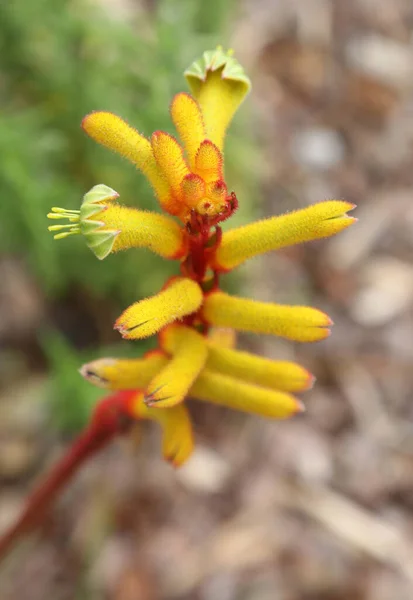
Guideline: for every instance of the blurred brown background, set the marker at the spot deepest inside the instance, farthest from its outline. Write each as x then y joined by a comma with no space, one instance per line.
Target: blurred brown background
316,508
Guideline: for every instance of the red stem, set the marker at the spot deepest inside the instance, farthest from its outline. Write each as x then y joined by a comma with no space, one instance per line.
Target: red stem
109,419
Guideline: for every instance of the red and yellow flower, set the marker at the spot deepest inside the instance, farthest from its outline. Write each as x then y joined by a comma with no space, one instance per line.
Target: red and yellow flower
192,317
189,182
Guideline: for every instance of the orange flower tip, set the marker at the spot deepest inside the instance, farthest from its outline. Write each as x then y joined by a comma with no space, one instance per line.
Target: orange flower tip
85,121
311,379
159,135
126,331
300,408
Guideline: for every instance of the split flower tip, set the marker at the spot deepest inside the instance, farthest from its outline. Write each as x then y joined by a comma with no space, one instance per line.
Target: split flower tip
216,60
123,374
180,298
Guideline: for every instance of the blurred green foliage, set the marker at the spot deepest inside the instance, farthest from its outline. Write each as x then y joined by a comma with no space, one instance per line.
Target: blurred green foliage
59,60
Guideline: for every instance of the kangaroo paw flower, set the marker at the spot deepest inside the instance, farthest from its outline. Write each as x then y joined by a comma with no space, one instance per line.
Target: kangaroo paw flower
189,123
318,221
195,320
146,317
178,441
109,227
232,393
189,353
219,84
275,374
124,374
299,323
114,133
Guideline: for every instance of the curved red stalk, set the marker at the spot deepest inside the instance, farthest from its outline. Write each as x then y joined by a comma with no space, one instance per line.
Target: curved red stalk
109,419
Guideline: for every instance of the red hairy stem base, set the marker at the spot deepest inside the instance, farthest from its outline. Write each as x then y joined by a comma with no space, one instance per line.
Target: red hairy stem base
109,419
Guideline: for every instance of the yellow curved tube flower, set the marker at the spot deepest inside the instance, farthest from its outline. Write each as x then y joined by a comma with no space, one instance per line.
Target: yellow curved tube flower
299,323
146,317
232,393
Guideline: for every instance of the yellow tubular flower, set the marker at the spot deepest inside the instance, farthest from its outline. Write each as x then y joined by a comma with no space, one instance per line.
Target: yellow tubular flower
187,118
114,133
229,392
169,157
108,227
318,221
143,229
278,375
219,84
299,323
144,318
189,352
124,374
178,442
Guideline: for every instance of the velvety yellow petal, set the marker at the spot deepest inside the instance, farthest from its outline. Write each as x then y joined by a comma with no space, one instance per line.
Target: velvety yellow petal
300,323
114,133
144,318
317,221
219,84
170,160
209,162
187,118
232,393
275,374
124,374
222,336
177,442
142,229
189,352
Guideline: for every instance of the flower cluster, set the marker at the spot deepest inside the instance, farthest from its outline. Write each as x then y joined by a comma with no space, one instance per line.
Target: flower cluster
195,320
